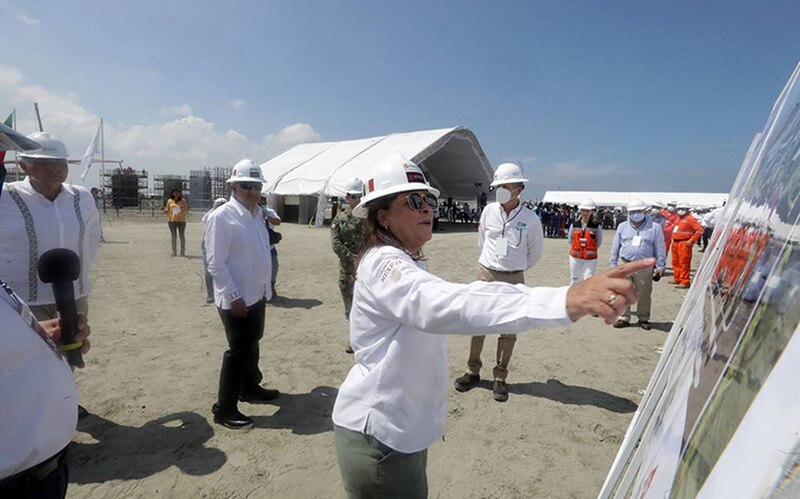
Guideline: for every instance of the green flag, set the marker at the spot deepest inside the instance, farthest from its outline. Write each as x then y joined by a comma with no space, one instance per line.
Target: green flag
9,122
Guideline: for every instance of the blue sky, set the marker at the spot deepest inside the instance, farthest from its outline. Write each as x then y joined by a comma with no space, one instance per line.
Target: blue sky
586,95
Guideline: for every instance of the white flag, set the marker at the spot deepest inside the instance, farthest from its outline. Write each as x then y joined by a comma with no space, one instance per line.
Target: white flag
88,156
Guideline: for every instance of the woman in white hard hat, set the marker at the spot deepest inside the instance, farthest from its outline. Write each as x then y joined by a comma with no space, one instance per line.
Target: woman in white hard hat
393,404
585,238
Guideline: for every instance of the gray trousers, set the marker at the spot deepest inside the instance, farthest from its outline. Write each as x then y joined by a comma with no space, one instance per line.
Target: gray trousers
643,283
371,469
505,342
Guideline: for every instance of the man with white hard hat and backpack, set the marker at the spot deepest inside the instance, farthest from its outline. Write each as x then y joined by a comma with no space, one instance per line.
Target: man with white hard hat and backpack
511,241
237,243
639,238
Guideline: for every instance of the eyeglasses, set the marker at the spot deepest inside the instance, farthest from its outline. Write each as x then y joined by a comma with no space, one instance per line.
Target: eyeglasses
249,186
415,201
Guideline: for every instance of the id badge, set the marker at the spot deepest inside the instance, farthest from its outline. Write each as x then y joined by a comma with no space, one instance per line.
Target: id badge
502,247
637,240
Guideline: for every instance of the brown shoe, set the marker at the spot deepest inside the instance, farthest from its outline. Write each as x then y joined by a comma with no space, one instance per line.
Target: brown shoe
673,281
500,391
621,324
645,325
682,286
467,382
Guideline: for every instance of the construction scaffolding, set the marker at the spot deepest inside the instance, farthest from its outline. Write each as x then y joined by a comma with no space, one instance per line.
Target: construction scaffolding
164,184
125,187
217,186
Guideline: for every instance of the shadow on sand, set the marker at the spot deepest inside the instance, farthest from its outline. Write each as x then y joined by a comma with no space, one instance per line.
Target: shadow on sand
569,394
130,453
303,413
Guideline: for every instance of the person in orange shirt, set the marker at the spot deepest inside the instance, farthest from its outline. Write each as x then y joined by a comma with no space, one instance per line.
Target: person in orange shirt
685,233
177,209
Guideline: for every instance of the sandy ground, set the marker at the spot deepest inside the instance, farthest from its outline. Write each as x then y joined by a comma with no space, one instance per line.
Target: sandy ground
152,376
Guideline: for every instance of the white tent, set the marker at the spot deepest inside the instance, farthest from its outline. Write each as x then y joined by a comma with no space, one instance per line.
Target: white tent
310,174
695,199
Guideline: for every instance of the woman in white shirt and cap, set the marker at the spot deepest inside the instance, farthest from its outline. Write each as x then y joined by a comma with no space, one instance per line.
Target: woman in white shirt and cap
393,404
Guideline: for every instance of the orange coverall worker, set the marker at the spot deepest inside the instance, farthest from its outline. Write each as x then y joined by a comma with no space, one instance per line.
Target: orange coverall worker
670,217
685,233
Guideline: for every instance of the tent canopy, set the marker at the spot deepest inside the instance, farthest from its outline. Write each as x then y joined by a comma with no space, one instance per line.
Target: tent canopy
695,199
452,158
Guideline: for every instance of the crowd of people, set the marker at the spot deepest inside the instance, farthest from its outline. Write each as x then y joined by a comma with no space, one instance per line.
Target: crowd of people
392,405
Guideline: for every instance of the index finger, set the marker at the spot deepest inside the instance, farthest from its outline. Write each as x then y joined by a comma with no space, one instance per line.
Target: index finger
629,268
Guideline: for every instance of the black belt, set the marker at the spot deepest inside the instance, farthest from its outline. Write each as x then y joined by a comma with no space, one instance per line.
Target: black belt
505,271
33,474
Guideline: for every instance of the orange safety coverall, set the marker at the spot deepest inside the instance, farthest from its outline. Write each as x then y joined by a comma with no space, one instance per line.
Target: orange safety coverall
685,233
669,222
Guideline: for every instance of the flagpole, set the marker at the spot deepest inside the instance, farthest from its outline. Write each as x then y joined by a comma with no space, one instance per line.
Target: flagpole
103,164
16,158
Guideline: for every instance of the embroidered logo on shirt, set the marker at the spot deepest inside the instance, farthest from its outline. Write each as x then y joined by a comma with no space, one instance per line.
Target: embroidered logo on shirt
389,268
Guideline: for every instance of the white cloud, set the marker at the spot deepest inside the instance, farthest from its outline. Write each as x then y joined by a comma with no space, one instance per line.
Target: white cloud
238,103
175,111
178,143
27,20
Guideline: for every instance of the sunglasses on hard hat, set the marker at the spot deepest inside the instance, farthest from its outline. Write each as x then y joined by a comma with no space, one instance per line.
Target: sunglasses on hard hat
249,186
416,201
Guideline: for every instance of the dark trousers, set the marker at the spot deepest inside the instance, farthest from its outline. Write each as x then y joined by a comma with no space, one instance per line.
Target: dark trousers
26,484
240,372
176,228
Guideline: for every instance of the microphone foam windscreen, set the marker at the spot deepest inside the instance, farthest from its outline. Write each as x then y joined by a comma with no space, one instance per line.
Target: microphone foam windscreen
58,265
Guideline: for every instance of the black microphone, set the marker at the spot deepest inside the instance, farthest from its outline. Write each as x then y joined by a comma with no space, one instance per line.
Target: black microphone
61,267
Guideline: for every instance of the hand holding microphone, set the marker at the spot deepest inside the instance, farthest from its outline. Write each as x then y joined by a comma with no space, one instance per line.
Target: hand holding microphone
61,267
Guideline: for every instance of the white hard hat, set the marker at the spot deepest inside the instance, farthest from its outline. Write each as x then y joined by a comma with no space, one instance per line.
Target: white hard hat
636,205
219,202
246,170
658,204
354,187
672,203
394,174
50,147
508,173
683,205
588,204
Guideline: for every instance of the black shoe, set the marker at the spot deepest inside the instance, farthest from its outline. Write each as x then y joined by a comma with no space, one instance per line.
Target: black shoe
210,299
259,396
234,419
82,412
466,382
500,391
621,323
349,349
645,325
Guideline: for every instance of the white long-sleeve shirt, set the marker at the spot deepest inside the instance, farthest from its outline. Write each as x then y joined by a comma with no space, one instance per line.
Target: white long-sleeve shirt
40,408
397,389
512,241
31,224
237,246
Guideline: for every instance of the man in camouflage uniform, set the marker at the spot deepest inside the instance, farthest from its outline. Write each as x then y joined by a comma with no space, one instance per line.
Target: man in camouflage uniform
347,235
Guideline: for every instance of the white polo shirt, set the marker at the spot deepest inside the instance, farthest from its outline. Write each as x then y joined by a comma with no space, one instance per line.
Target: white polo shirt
397,389
31,224
237,247
512,241
40,401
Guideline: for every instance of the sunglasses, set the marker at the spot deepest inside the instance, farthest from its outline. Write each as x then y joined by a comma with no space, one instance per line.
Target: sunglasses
249,186
416,201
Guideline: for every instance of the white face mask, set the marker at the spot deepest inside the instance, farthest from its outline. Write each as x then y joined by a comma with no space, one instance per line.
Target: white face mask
671,209
681,212
502,195
655,211
636,217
